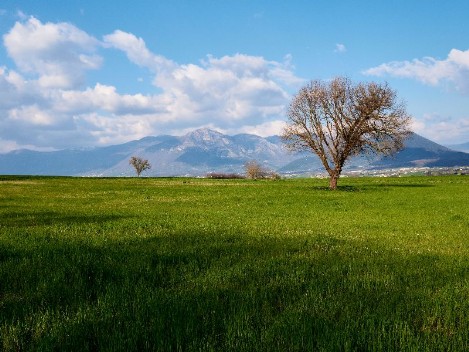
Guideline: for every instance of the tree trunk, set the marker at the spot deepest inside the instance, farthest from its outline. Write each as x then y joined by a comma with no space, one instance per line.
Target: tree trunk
333,181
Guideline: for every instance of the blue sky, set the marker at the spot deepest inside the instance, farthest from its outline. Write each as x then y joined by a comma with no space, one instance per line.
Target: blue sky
81,73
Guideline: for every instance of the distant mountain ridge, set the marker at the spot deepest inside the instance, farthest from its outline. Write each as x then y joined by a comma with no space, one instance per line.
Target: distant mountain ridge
203,151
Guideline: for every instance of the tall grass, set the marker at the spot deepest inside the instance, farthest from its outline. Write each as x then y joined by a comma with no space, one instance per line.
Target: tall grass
234,265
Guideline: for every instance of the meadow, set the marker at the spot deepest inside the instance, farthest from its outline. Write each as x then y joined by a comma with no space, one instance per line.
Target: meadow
155,264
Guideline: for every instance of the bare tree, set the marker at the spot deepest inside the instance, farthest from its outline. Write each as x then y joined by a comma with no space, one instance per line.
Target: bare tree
254,170
139,164
337,119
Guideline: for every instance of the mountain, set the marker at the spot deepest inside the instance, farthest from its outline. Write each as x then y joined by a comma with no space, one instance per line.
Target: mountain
203,151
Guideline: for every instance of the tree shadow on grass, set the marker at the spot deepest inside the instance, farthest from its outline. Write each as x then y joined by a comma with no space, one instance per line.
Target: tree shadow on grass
196,290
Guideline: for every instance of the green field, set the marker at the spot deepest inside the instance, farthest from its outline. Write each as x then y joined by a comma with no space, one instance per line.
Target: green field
132,264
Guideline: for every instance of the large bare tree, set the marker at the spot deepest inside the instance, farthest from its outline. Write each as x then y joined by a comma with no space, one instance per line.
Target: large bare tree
338,119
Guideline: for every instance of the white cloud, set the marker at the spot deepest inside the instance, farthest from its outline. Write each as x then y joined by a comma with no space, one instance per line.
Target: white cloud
106,99
340,48
17,91
266,129
112,129
21,15
137,52
57,53
31,114
230,89
453,69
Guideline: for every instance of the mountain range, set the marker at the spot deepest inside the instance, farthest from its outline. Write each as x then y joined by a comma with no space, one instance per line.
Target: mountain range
204,151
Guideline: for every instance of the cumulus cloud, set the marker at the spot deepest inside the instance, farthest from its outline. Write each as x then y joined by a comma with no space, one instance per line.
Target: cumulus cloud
31,114
453,69
45,104
57,53
106,99
137,51
229,89
17,91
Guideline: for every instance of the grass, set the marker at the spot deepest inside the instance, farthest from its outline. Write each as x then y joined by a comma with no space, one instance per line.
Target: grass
127,264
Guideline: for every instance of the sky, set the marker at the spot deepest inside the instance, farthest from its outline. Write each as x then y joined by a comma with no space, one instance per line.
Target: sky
87,73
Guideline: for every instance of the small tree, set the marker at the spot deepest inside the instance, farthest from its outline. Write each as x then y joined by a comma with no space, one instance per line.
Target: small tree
139,164
336,120
254,170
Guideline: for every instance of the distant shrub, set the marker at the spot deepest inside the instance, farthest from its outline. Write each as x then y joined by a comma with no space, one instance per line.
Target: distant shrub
256,171
274,176
222,176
